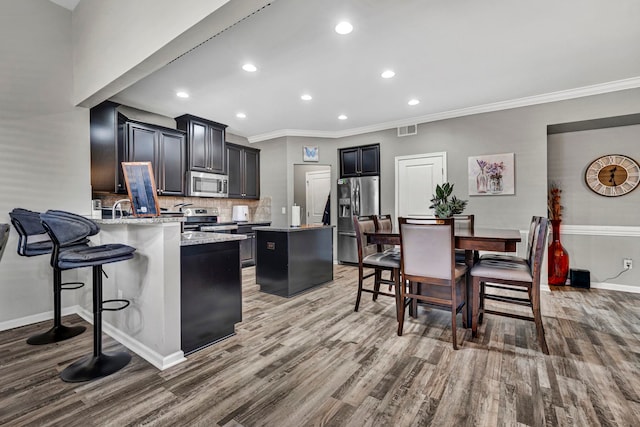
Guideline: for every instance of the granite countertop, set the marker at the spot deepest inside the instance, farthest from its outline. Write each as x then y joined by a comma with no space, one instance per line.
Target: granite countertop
132,220
293,229
201,238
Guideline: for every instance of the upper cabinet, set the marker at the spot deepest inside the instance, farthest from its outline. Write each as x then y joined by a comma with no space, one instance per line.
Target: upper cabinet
243,167
205,142
116,139
360,161
164,148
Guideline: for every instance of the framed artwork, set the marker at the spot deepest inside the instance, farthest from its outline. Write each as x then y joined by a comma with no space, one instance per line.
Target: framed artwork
141,187
491,175
310,154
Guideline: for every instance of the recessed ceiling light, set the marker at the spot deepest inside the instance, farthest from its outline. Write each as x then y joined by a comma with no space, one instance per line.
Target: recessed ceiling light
344,28
250,68
342,117
241,115
387,74
306,97
182,94
413,102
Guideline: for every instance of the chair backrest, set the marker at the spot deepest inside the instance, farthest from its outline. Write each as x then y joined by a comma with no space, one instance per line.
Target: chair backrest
539,245
464,222
66,228
428,246
383,223
364,224
535,220
27,223
4,237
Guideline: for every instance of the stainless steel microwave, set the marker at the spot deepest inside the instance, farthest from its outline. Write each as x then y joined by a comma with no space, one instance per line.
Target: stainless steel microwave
203,184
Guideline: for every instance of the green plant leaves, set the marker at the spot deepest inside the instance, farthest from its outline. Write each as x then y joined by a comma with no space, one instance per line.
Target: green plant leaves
442,206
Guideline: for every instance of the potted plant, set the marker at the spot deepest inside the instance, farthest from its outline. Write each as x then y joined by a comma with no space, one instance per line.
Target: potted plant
444,204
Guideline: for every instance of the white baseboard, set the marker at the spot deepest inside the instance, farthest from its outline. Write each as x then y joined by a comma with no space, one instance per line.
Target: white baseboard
35,318
159,361
603,285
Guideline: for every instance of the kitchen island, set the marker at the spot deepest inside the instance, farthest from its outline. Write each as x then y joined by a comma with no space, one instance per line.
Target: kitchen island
290,260
152,325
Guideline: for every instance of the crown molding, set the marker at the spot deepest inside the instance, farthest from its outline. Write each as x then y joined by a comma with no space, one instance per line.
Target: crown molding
563,95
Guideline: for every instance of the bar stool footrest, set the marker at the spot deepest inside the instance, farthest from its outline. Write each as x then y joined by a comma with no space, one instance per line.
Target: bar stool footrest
93,367
125,303
56,334
68,286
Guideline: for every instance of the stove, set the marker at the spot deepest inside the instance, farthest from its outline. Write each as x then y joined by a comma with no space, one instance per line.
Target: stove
205,219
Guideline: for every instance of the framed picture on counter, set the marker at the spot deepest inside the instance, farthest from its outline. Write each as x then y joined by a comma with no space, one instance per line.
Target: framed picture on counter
141,187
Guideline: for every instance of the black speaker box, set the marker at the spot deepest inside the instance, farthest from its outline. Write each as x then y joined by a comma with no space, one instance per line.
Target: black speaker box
580,278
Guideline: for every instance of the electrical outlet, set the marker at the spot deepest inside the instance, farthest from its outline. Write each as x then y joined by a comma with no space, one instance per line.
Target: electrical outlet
119,293
284,210
627,263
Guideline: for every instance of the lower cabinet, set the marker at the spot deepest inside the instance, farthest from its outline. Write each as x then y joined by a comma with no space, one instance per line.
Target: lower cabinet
210,293
248,246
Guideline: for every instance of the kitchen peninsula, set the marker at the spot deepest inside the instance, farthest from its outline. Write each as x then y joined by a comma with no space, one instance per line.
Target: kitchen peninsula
154,325
290,260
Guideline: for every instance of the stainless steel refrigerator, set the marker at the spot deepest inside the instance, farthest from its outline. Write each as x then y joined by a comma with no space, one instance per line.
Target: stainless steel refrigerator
356,196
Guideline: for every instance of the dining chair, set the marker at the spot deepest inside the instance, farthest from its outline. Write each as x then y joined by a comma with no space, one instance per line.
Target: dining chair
464,222
384,223
427,262
515,258
369,257
507,277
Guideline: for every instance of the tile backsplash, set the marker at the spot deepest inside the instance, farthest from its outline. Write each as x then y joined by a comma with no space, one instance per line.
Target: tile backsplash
259,210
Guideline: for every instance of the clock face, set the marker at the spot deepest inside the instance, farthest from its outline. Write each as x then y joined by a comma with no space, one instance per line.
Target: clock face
612,175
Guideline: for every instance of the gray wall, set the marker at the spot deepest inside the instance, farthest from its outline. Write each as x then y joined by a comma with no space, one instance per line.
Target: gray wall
44,145
586,230
522,131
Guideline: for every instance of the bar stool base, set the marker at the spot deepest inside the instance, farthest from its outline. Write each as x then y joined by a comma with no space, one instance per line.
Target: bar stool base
55,334
93,367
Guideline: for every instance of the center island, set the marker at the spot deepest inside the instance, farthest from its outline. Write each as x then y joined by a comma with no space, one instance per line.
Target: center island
291,260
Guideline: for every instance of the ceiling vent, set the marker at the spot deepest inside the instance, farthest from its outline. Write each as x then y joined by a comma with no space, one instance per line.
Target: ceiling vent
407,130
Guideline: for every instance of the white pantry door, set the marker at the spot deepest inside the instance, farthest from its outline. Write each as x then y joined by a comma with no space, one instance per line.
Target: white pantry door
416,179
318,189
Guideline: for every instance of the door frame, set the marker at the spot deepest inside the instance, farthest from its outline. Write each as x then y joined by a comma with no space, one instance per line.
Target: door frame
398,159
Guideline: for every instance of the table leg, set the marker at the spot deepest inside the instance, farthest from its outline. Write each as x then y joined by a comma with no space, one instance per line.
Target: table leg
468,260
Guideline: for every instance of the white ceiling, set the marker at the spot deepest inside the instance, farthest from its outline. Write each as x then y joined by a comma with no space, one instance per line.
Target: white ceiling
457,57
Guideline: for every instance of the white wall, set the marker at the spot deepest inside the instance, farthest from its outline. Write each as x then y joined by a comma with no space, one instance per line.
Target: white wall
114,47
44,144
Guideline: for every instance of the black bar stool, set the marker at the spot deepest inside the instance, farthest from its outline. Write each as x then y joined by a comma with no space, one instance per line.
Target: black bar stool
64,228
27,224
4,236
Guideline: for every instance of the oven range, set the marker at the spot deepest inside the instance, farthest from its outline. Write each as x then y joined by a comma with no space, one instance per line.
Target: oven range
205,219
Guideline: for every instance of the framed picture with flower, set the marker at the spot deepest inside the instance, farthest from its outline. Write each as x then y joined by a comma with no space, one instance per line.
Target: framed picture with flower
492,175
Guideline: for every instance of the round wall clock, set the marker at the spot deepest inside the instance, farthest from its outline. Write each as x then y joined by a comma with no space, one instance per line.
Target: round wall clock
612,175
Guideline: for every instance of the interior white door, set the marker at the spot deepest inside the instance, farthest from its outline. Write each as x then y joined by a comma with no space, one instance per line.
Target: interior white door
318,189
416,180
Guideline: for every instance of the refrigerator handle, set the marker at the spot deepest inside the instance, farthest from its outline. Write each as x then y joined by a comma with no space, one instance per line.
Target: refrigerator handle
356,197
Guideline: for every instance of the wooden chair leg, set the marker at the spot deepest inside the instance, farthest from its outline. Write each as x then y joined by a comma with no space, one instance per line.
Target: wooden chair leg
360,274
465,319
537,318
376,284
414,301
396,279
475,306
401,309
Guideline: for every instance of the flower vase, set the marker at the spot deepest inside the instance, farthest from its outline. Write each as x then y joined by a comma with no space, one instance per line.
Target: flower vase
496,184
558,257
481,182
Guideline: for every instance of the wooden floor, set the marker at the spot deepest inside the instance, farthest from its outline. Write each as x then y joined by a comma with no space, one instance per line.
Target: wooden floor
310,360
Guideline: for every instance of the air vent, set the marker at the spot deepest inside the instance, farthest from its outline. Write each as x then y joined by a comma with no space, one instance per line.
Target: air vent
408,130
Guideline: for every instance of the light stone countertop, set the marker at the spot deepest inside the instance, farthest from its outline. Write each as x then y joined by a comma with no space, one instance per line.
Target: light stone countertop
132,220
200,238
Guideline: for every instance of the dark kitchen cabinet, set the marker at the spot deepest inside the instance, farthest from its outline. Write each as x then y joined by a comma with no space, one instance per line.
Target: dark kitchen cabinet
243,168
206,143
248,246
360,161
166,150
115,139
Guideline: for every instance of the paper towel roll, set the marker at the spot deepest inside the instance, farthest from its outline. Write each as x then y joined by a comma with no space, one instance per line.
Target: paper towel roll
295,216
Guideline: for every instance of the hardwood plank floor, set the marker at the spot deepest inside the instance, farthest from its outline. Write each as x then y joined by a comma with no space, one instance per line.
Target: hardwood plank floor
310,360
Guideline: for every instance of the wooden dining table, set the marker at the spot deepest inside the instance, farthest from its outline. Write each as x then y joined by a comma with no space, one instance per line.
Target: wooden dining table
478,239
